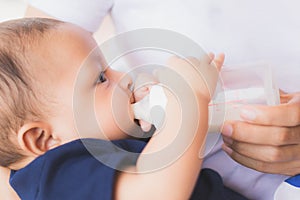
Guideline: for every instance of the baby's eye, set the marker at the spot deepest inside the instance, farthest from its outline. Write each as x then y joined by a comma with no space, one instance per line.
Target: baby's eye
102,77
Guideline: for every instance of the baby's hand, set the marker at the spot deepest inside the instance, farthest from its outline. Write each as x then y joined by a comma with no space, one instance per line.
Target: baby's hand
201,74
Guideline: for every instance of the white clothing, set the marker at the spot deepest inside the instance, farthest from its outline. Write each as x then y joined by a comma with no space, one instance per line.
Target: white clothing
246,31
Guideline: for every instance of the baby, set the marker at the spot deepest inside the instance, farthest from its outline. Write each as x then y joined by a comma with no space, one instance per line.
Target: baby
65,124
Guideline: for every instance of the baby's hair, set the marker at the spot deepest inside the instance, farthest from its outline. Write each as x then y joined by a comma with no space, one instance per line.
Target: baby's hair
19,100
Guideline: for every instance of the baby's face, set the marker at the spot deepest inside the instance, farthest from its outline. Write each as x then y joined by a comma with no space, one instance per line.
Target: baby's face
90,100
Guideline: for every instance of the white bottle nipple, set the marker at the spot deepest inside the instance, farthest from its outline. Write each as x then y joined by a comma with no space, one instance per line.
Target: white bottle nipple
152,107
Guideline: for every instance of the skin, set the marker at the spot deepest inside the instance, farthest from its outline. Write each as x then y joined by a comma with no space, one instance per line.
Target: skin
63,75
7,193
264,141
80,90
275,118
96,83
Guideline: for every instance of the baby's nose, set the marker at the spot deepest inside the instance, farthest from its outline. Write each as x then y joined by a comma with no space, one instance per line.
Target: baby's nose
126,82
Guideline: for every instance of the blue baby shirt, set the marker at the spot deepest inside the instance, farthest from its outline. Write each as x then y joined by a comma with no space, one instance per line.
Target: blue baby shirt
71,172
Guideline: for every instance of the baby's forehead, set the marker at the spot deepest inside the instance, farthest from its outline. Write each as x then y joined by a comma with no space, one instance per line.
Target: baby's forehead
69,38
68,48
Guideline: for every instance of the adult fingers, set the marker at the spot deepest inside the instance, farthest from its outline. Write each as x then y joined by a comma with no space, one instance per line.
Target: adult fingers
265,153
284,97
282,115
260,134
287,168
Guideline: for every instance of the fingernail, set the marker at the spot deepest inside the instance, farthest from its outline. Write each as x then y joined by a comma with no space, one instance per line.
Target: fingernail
227,130
227,149
228,141
248,114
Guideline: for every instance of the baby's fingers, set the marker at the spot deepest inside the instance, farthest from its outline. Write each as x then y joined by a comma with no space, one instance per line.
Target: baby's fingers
219,61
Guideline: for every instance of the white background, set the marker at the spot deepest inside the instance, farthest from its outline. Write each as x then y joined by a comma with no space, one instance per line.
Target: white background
11,9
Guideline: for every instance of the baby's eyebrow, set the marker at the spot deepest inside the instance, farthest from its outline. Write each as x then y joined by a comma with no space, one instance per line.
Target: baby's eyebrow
101,67
96,60
99,57
104,67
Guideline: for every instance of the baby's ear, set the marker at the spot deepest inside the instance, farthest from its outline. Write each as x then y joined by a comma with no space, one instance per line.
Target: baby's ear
35,138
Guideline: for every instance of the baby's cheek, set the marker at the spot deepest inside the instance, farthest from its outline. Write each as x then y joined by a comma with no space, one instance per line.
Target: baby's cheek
114,114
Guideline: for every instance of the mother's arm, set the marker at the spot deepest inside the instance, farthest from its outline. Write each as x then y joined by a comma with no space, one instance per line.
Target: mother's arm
269,138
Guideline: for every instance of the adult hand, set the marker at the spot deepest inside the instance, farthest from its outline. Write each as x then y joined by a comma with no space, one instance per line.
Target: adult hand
268,140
